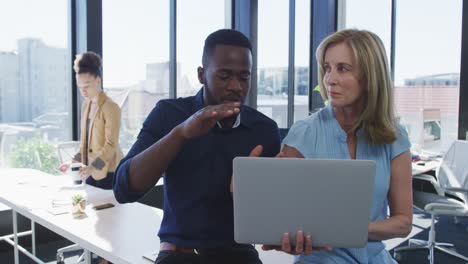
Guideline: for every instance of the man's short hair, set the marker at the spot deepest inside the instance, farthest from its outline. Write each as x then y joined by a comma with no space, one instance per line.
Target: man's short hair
224,37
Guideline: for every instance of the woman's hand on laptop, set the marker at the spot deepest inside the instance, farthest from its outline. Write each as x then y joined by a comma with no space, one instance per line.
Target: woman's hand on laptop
303,245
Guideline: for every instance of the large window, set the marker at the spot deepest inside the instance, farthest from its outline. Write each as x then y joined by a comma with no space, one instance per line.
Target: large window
302,58
273,24
35,90
136,48
195,21
273,59
375,17
427,63
135,60
427,70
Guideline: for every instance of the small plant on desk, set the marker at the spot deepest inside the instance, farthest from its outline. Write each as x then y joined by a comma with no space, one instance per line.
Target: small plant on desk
78,205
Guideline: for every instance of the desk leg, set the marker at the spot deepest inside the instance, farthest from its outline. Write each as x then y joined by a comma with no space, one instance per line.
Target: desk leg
87,256
33,237
15,232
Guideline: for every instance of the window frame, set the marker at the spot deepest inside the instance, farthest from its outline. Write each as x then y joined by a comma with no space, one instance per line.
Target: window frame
86,34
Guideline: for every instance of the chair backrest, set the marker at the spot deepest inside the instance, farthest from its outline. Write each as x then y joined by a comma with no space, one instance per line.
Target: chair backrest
283,132
453,170
67,150
154,197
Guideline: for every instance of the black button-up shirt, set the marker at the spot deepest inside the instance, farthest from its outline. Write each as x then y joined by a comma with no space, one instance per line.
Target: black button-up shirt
198,207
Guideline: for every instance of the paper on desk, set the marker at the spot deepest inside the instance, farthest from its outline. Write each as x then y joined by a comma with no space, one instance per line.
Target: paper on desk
58,210
92,195
59,203
151,256
63,196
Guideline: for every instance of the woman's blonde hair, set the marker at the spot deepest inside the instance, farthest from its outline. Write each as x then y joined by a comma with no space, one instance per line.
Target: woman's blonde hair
378,117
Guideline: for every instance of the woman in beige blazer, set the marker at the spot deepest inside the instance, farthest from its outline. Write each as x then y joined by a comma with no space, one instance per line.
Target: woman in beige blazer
100,124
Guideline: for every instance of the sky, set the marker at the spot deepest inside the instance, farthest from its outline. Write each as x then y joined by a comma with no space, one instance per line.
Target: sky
428,32
45,19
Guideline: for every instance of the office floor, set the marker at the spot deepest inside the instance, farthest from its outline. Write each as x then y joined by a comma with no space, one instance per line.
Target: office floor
445,227
446,231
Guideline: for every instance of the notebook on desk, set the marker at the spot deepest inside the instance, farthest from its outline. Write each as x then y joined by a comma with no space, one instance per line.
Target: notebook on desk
151,256
328,199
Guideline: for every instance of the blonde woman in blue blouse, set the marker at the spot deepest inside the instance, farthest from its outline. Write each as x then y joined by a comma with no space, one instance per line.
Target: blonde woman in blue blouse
358,123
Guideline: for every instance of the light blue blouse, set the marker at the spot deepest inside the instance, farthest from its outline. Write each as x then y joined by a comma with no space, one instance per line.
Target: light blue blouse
320,136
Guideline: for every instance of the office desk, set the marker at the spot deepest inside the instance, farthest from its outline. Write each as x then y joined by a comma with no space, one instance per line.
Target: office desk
421,167
121,234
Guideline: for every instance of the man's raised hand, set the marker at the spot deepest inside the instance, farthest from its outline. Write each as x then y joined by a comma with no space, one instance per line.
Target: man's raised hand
204,119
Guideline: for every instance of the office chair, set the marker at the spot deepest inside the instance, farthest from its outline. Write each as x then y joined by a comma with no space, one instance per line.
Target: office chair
71,248
435,205
449,198
154,197
453,172
67,150
283,133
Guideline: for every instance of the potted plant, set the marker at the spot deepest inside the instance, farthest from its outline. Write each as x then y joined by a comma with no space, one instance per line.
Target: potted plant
78,205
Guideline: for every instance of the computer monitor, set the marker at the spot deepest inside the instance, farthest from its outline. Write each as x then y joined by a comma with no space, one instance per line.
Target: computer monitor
432,129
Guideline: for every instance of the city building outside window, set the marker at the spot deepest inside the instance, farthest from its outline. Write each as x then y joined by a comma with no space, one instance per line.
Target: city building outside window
135,60
273,60
136,54
35,83
427,71
302,86
193,26
272,68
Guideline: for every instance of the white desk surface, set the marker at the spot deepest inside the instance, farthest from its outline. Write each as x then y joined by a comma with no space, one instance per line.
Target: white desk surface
420,167
121,234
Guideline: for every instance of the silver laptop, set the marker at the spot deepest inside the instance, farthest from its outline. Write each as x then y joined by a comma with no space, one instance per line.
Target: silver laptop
328,199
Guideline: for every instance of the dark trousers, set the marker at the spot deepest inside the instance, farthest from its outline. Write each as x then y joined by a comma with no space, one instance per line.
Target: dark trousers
238,254
105,183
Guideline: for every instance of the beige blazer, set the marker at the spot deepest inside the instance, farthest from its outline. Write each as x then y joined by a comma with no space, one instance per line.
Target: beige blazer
103,149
